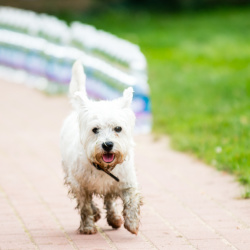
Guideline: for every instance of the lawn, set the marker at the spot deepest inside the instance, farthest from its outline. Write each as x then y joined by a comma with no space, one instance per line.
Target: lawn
199,75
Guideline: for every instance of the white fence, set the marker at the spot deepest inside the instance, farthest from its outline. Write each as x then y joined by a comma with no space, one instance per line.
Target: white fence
39,50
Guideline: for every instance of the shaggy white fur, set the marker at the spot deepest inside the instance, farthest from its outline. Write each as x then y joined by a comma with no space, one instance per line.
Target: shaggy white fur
100,133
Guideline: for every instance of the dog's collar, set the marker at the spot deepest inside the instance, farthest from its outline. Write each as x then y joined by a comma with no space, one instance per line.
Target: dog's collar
105,171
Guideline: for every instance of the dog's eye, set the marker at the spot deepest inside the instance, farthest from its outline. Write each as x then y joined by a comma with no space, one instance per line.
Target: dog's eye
95,130
118,129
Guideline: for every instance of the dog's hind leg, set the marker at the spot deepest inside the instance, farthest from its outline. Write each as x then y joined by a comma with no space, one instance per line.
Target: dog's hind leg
113,218
87,225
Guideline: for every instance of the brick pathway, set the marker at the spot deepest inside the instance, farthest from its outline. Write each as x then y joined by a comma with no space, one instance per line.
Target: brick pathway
187,204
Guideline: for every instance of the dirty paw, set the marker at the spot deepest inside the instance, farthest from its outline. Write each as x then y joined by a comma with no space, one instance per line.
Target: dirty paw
88,230
132,227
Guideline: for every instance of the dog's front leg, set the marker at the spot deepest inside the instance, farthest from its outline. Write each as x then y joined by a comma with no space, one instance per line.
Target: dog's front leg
132,201
87,225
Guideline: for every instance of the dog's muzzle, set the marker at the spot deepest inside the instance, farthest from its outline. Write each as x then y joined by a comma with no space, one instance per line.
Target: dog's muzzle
108,160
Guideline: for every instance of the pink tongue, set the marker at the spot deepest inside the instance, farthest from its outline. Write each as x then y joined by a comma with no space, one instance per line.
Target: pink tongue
108,157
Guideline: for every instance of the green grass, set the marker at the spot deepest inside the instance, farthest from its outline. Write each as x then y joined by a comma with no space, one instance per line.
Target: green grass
199,74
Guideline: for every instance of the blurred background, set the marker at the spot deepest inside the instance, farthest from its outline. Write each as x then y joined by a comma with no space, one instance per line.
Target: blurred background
99,5
198,68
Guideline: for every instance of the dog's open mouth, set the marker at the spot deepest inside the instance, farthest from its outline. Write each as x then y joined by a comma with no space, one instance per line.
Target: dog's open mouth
108,157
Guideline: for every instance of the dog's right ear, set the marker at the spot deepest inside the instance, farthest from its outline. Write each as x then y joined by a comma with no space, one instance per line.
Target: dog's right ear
77,88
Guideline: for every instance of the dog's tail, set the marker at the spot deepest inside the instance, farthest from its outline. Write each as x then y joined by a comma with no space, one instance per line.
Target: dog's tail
77,83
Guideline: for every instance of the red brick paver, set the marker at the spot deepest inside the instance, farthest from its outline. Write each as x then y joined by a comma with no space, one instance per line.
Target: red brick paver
187,204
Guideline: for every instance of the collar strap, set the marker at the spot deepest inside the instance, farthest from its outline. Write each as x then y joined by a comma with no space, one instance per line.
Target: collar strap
105,171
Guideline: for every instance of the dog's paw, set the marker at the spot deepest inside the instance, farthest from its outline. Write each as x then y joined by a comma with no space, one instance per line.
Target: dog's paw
88,230
132,226
115,221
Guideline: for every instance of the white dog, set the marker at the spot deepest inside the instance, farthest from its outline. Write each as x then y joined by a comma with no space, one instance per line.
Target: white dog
96,139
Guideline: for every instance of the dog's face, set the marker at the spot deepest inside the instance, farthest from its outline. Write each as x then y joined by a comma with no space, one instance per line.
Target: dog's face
106,132
106,129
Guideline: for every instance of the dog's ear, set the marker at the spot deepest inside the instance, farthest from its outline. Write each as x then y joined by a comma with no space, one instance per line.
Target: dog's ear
127,97
79,101
77,89
78,79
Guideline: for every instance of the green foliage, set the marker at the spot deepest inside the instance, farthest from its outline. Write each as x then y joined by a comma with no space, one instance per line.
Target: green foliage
176,5
199,74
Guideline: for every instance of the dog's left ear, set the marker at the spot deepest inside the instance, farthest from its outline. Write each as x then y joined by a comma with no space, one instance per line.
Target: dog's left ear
127,97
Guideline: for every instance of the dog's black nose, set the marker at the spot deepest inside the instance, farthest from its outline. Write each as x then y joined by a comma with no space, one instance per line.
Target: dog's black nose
108,145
